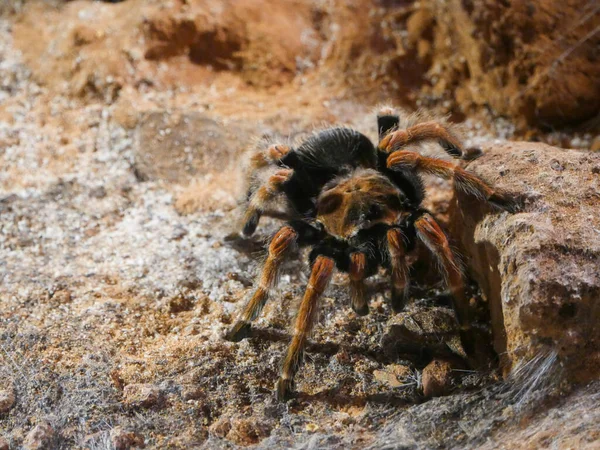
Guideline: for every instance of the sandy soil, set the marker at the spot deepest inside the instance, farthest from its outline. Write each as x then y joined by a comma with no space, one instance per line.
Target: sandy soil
120,270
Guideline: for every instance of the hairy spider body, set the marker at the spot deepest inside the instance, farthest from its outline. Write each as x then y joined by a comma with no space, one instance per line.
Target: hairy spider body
360,208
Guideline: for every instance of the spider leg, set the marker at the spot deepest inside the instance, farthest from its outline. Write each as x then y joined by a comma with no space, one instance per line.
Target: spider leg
400,275
434,238
463,180
426,131
261,197
321,273
387,120
271,155
281,242
357,271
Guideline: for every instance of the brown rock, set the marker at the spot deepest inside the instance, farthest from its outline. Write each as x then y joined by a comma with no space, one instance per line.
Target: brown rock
538,268
7,400
434,329
392,375
143,396
192,392
524,59
221,427
124,440
437,378
41,437
4,444
248,431
176,147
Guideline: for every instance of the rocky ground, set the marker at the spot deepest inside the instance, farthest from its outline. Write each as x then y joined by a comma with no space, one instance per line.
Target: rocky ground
122,136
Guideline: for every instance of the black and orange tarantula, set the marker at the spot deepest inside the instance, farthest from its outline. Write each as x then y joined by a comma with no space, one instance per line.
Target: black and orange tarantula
359,207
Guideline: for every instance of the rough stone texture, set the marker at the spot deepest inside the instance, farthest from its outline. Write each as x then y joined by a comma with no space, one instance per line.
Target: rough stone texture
175,146
433,328
41,437
535,61
124,440
7,400
4,444
539,268
437,378
143,396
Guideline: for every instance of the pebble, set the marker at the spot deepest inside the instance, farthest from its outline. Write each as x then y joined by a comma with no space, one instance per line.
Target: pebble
437,378
123,439
143,396
41,437
7,400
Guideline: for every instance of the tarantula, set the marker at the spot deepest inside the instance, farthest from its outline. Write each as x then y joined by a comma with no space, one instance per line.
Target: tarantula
359,207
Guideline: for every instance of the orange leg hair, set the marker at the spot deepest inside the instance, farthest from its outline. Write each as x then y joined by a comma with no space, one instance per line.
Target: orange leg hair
421,132
262,197
268,156
400,285
357,284
320,276
434,238
281,242
463,180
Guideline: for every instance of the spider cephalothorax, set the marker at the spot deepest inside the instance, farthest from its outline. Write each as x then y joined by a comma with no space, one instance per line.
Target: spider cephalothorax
359,207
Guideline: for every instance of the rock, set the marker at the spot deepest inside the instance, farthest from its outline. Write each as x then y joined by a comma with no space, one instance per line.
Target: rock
437,378
4,444
538,268
41,437
523,59
241,430
392,375
221,427
248,431
192,392
7,400
433,330
179,146
123,440
143,396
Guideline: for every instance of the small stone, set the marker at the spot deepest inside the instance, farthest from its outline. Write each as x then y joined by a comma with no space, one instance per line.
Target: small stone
62,297
433,328
192,392
437,378
123,440
3,444
180,303
143,396
392,375
7,400
221,427
248,431
41,437
98,192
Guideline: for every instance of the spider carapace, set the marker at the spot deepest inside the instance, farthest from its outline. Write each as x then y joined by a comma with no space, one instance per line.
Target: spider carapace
359,207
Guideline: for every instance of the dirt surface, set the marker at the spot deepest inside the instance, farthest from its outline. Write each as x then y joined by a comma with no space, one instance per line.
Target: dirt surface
123,128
